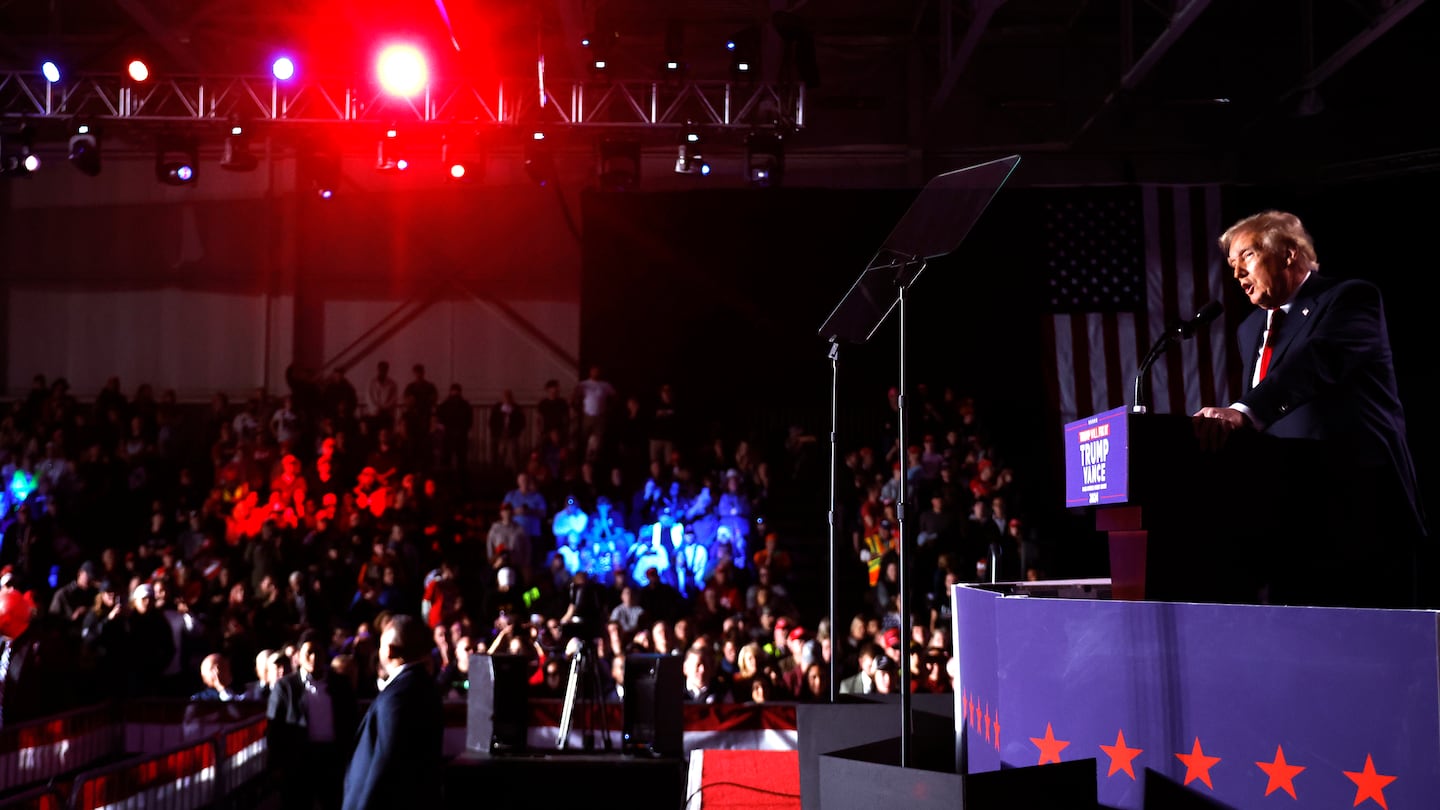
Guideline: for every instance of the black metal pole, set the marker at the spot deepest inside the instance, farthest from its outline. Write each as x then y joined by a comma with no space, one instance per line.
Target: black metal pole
834,516
901,507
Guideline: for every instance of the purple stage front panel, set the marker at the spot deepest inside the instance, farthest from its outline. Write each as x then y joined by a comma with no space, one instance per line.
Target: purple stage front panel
1253,706
1097,463
977,693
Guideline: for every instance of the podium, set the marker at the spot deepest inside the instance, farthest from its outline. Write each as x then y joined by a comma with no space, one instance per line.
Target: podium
1252,521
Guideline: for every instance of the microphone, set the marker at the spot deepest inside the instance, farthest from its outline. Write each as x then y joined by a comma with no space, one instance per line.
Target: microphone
1182,331
1207,313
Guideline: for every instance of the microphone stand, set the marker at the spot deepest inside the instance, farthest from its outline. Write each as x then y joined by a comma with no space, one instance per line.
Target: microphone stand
1143,376
1173,335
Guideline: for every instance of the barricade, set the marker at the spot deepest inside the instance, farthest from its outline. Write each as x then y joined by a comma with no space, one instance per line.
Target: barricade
244,754
38,751
181,778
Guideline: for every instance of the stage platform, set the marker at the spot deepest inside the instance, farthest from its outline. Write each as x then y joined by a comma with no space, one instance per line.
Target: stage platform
589,780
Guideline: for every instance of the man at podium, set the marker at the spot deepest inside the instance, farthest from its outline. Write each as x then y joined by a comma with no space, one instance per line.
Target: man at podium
1317,366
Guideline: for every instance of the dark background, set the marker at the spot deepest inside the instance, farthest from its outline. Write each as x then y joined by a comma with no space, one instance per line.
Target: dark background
722,294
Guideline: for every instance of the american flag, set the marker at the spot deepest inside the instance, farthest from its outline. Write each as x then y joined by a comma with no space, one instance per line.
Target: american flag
1123,265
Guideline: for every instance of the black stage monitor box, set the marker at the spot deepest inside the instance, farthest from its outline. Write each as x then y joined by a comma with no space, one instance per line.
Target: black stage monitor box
499,710
654,722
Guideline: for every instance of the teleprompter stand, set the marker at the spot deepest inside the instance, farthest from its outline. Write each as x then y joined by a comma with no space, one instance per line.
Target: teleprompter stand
934,226
584,691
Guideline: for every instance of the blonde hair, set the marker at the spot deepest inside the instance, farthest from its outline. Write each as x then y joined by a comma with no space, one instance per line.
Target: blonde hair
1276,231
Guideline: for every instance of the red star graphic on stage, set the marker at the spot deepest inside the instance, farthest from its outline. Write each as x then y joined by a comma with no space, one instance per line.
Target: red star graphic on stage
1197,765
1282,774
1050,747
1369,784
965,705
995,730
1122,757
985,724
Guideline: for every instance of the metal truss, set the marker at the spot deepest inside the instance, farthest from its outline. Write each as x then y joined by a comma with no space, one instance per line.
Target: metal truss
596,103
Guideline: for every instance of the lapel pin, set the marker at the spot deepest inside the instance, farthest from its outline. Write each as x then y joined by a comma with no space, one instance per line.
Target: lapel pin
1305,312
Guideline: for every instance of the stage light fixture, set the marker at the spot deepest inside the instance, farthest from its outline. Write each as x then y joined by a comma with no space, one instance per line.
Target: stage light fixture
237,156
672,62
391,152
619,164
85,149
17,156
402,70
765,158
283,68
539,160
138,70
744,47
177,161
51,71
318,168
462,158
690,158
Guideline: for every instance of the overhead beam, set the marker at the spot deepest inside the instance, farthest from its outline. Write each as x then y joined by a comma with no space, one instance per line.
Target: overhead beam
167,37
1137,73
1377,28
960,59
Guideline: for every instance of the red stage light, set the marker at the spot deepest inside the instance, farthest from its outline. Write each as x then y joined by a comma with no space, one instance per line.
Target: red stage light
402,70
138,70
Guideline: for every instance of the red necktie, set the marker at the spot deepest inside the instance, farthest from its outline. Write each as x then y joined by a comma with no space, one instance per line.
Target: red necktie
1276,317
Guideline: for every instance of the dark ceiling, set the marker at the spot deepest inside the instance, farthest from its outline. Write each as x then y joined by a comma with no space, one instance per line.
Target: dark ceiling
1254,90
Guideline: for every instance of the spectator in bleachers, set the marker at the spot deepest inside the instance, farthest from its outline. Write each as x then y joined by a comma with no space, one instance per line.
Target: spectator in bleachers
454,679
554,411
665,426
507,429
593,400
507,543
629,615
530,508
142,642
74,600
312,717
700,683
457,418
886,676
382,397
215,674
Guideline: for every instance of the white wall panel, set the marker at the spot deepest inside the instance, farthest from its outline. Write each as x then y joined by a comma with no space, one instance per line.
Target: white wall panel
469,342
195,342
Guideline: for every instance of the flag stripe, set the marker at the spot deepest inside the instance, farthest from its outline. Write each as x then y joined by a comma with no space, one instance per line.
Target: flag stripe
1098,340
1200,275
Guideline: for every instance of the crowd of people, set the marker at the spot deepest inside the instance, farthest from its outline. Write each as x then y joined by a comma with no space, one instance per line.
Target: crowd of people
171,554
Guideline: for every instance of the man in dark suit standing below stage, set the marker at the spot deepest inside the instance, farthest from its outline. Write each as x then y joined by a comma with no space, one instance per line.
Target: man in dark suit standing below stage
397,760
312,723
1318,367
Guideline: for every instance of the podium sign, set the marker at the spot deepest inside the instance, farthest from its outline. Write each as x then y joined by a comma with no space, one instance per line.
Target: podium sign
1097,459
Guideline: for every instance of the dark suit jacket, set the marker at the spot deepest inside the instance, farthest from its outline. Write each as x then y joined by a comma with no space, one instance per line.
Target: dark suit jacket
289,728
1331,379
398,756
